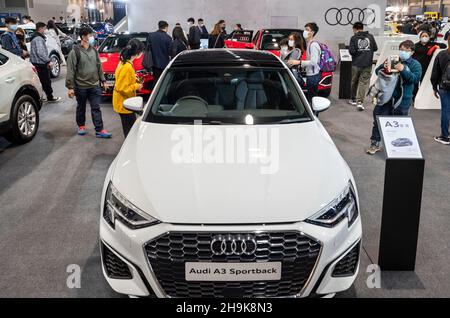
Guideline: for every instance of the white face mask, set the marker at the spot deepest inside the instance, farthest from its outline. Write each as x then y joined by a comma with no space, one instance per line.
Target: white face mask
190,24
425,39
306,34
291,43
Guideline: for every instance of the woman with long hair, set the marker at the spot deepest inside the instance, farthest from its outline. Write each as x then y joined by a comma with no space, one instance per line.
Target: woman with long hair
126,84
216,38
180,43
53,33
21,37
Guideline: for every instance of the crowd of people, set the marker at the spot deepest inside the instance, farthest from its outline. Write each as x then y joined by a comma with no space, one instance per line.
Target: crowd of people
302,54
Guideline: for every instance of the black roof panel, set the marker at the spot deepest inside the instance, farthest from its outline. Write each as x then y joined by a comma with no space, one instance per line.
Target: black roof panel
226,57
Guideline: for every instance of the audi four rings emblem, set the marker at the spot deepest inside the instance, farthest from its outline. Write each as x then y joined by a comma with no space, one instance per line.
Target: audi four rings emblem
347,16
233,245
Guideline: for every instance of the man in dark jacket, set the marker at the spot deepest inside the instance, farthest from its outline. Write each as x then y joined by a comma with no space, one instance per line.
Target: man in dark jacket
362,48
203,30
9,40
40,59
410,73
158,51
195,34
440,81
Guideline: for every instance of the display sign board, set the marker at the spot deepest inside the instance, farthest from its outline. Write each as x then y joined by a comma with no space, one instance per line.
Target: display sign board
345,55
399,137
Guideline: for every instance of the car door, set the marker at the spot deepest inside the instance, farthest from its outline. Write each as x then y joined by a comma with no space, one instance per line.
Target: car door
8,83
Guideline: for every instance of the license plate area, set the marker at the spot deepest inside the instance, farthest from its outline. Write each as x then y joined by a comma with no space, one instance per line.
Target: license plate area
231,272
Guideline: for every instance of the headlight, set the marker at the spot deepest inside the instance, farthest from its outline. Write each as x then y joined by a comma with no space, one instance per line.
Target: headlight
117,207
344,206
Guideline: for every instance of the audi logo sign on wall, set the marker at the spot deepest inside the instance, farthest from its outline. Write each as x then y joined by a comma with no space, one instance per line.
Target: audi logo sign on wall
347,16
233,245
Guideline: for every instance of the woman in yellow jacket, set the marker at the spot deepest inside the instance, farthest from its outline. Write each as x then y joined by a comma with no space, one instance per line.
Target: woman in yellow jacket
126,83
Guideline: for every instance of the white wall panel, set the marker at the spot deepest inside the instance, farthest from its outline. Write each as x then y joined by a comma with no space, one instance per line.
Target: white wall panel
252,14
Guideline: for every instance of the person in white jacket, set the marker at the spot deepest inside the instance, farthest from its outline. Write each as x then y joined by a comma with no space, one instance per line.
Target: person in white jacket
52,33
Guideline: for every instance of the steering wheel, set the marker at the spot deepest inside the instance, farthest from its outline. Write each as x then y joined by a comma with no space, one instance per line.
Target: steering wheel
192,97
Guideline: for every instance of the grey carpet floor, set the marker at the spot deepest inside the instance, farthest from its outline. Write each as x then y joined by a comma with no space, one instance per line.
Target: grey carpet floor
50,191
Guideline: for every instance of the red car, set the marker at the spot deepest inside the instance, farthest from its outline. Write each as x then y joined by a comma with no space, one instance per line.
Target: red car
110,56
269,40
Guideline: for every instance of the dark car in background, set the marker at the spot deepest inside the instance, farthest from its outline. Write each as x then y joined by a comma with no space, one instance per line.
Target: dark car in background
109,52
269,40
102,30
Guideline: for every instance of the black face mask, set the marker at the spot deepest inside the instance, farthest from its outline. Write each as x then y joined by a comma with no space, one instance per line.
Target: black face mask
20,37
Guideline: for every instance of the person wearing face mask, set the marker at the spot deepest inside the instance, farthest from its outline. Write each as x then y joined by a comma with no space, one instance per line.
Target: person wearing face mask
40,59
84,78
9,40
424,50
312,62
126,83
194,37
204,35
362,48
223,27
410,72
20,34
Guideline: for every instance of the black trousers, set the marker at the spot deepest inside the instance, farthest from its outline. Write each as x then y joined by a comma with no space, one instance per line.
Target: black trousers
46,81
157,72
94,97
127,122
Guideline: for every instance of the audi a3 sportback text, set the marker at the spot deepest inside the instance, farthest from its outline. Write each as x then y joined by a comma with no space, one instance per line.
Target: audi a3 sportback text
229,186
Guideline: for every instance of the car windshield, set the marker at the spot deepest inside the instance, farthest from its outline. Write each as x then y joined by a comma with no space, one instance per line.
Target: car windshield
115,44
271,40
228,96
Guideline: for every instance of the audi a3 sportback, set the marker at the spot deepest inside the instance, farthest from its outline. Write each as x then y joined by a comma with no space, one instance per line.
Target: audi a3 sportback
228,185
402,142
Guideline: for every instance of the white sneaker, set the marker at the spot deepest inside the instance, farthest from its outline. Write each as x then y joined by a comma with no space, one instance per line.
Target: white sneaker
360,107
352,102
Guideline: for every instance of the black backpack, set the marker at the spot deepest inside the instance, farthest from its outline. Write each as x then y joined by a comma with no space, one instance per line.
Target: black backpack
445,82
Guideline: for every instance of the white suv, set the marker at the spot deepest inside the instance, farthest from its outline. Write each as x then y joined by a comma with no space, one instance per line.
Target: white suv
20,99
228,185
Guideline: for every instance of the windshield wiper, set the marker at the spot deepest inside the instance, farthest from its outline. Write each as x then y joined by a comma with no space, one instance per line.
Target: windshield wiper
291,121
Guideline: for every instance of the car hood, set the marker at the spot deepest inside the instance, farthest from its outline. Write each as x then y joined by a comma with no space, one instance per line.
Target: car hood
308,175
111,60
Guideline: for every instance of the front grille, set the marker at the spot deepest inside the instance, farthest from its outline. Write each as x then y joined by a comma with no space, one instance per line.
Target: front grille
297,253
347,266
115,268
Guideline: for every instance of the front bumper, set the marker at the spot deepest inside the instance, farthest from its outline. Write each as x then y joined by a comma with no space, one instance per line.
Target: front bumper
128,245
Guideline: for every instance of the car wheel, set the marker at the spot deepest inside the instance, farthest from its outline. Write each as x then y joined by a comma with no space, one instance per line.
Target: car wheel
56,69
24,120
325,93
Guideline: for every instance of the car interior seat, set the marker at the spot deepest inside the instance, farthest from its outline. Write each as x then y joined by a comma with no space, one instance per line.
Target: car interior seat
250,92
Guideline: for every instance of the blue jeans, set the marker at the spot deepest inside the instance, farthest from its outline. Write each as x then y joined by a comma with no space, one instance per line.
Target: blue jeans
312,85
94,96
445,112
384,110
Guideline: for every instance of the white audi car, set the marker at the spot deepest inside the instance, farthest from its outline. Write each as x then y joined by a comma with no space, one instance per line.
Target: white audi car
20,99
228,185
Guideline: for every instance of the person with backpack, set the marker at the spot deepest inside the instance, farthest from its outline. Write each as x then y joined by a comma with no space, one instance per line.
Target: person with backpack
312,62
9,40
440,79
397,97
362,48
84,78
126,83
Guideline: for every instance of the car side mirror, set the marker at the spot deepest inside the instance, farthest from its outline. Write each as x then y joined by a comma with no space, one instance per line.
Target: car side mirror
135,105
320,104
